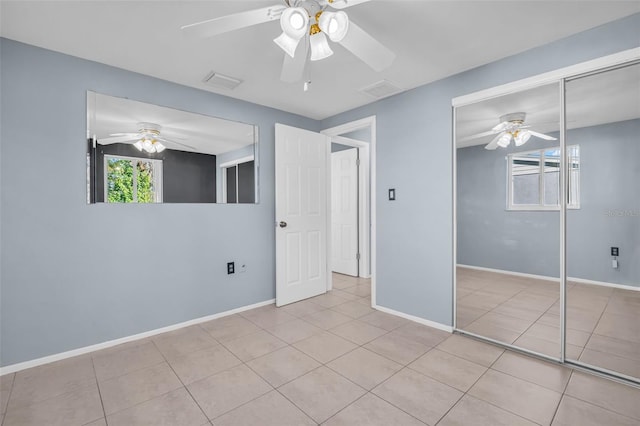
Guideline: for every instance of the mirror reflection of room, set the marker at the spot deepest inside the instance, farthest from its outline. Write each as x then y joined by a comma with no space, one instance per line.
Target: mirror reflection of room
603,237
144,153
508,169
509,231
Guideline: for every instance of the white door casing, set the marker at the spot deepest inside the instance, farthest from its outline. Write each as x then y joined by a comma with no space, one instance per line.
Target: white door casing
301,162
344,212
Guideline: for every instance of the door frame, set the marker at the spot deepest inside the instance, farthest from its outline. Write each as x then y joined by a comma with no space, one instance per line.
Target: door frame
363,201
367,199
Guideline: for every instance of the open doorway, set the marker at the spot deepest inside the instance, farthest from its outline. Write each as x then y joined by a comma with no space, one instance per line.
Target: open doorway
352,220
345,196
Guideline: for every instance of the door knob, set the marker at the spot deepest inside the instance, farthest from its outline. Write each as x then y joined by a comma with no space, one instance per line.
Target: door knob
283,224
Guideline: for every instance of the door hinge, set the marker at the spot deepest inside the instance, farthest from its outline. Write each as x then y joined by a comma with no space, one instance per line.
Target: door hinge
357,256
357,161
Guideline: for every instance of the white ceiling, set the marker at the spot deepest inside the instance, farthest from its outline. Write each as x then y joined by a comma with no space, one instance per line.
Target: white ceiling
207,135
597,99
432,40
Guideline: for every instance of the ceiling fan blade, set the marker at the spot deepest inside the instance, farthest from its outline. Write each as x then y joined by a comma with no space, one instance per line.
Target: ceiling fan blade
342,4
171,141
500,126
232,22
542,136
123,134
127,137
494,143
293,68
367,48
479,135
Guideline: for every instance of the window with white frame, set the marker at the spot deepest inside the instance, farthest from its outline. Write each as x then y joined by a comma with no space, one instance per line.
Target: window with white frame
132,180
534,179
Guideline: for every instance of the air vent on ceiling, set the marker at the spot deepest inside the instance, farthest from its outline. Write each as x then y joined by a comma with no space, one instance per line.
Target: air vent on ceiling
218,80
381,89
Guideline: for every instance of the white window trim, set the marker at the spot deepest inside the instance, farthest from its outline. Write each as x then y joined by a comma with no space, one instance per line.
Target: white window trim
540,206
158,177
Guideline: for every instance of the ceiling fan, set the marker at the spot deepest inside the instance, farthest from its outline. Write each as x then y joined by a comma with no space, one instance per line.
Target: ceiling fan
510,128
305,24
146,139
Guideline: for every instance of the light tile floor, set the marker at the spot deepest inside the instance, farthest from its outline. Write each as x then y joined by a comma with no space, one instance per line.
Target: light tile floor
603,323
329,360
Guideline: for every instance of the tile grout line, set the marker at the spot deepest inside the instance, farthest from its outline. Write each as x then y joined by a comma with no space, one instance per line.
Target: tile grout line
104,414
593,403
401,409
6,409
594,328
176,374
564,390
214,374
277,389
489,402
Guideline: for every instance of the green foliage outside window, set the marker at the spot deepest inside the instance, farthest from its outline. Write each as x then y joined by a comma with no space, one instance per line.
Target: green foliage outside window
119,180
128,185
145,182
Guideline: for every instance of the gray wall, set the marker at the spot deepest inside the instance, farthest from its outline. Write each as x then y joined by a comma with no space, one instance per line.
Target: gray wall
363,135
490,236
67,278
336,147
528,241
610,182
414,239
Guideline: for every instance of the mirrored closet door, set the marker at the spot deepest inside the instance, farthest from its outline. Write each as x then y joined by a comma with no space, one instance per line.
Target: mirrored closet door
508,219
547,209
603,230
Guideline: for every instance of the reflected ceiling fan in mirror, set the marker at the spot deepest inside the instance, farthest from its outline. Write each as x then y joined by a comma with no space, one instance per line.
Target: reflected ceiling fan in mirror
147,139
306,25
510,128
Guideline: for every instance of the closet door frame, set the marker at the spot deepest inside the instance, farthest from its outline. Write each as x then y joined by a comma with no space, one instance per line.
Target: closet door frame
560,77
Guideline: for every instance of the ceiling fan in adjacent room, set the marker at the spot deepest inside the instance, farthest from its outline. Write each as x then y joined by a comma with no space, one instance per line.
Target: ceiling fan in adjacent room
306,25
511,128
147,139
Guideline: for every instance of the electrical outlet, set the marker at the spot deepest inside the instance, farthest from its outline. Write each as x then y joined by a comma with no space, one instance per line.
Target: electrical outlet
231,268
615,252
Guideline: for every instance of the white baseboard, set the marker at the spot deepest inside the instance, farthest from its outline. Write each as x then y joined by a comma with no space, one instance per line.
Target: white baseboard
517,274
419,320
603,283
81,351
547,278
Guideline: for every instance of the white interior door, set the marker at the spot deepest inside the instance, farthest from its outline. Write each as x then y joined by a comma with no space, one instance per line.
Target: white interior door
344,212
301,214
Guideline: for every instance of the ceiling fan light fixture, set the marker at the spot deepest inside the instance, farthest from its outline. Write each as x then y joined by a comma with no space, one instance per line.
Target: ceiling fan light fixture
504,140
286,43
522,137
138,145
148,147
159,147
294,23
334,24
319,47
